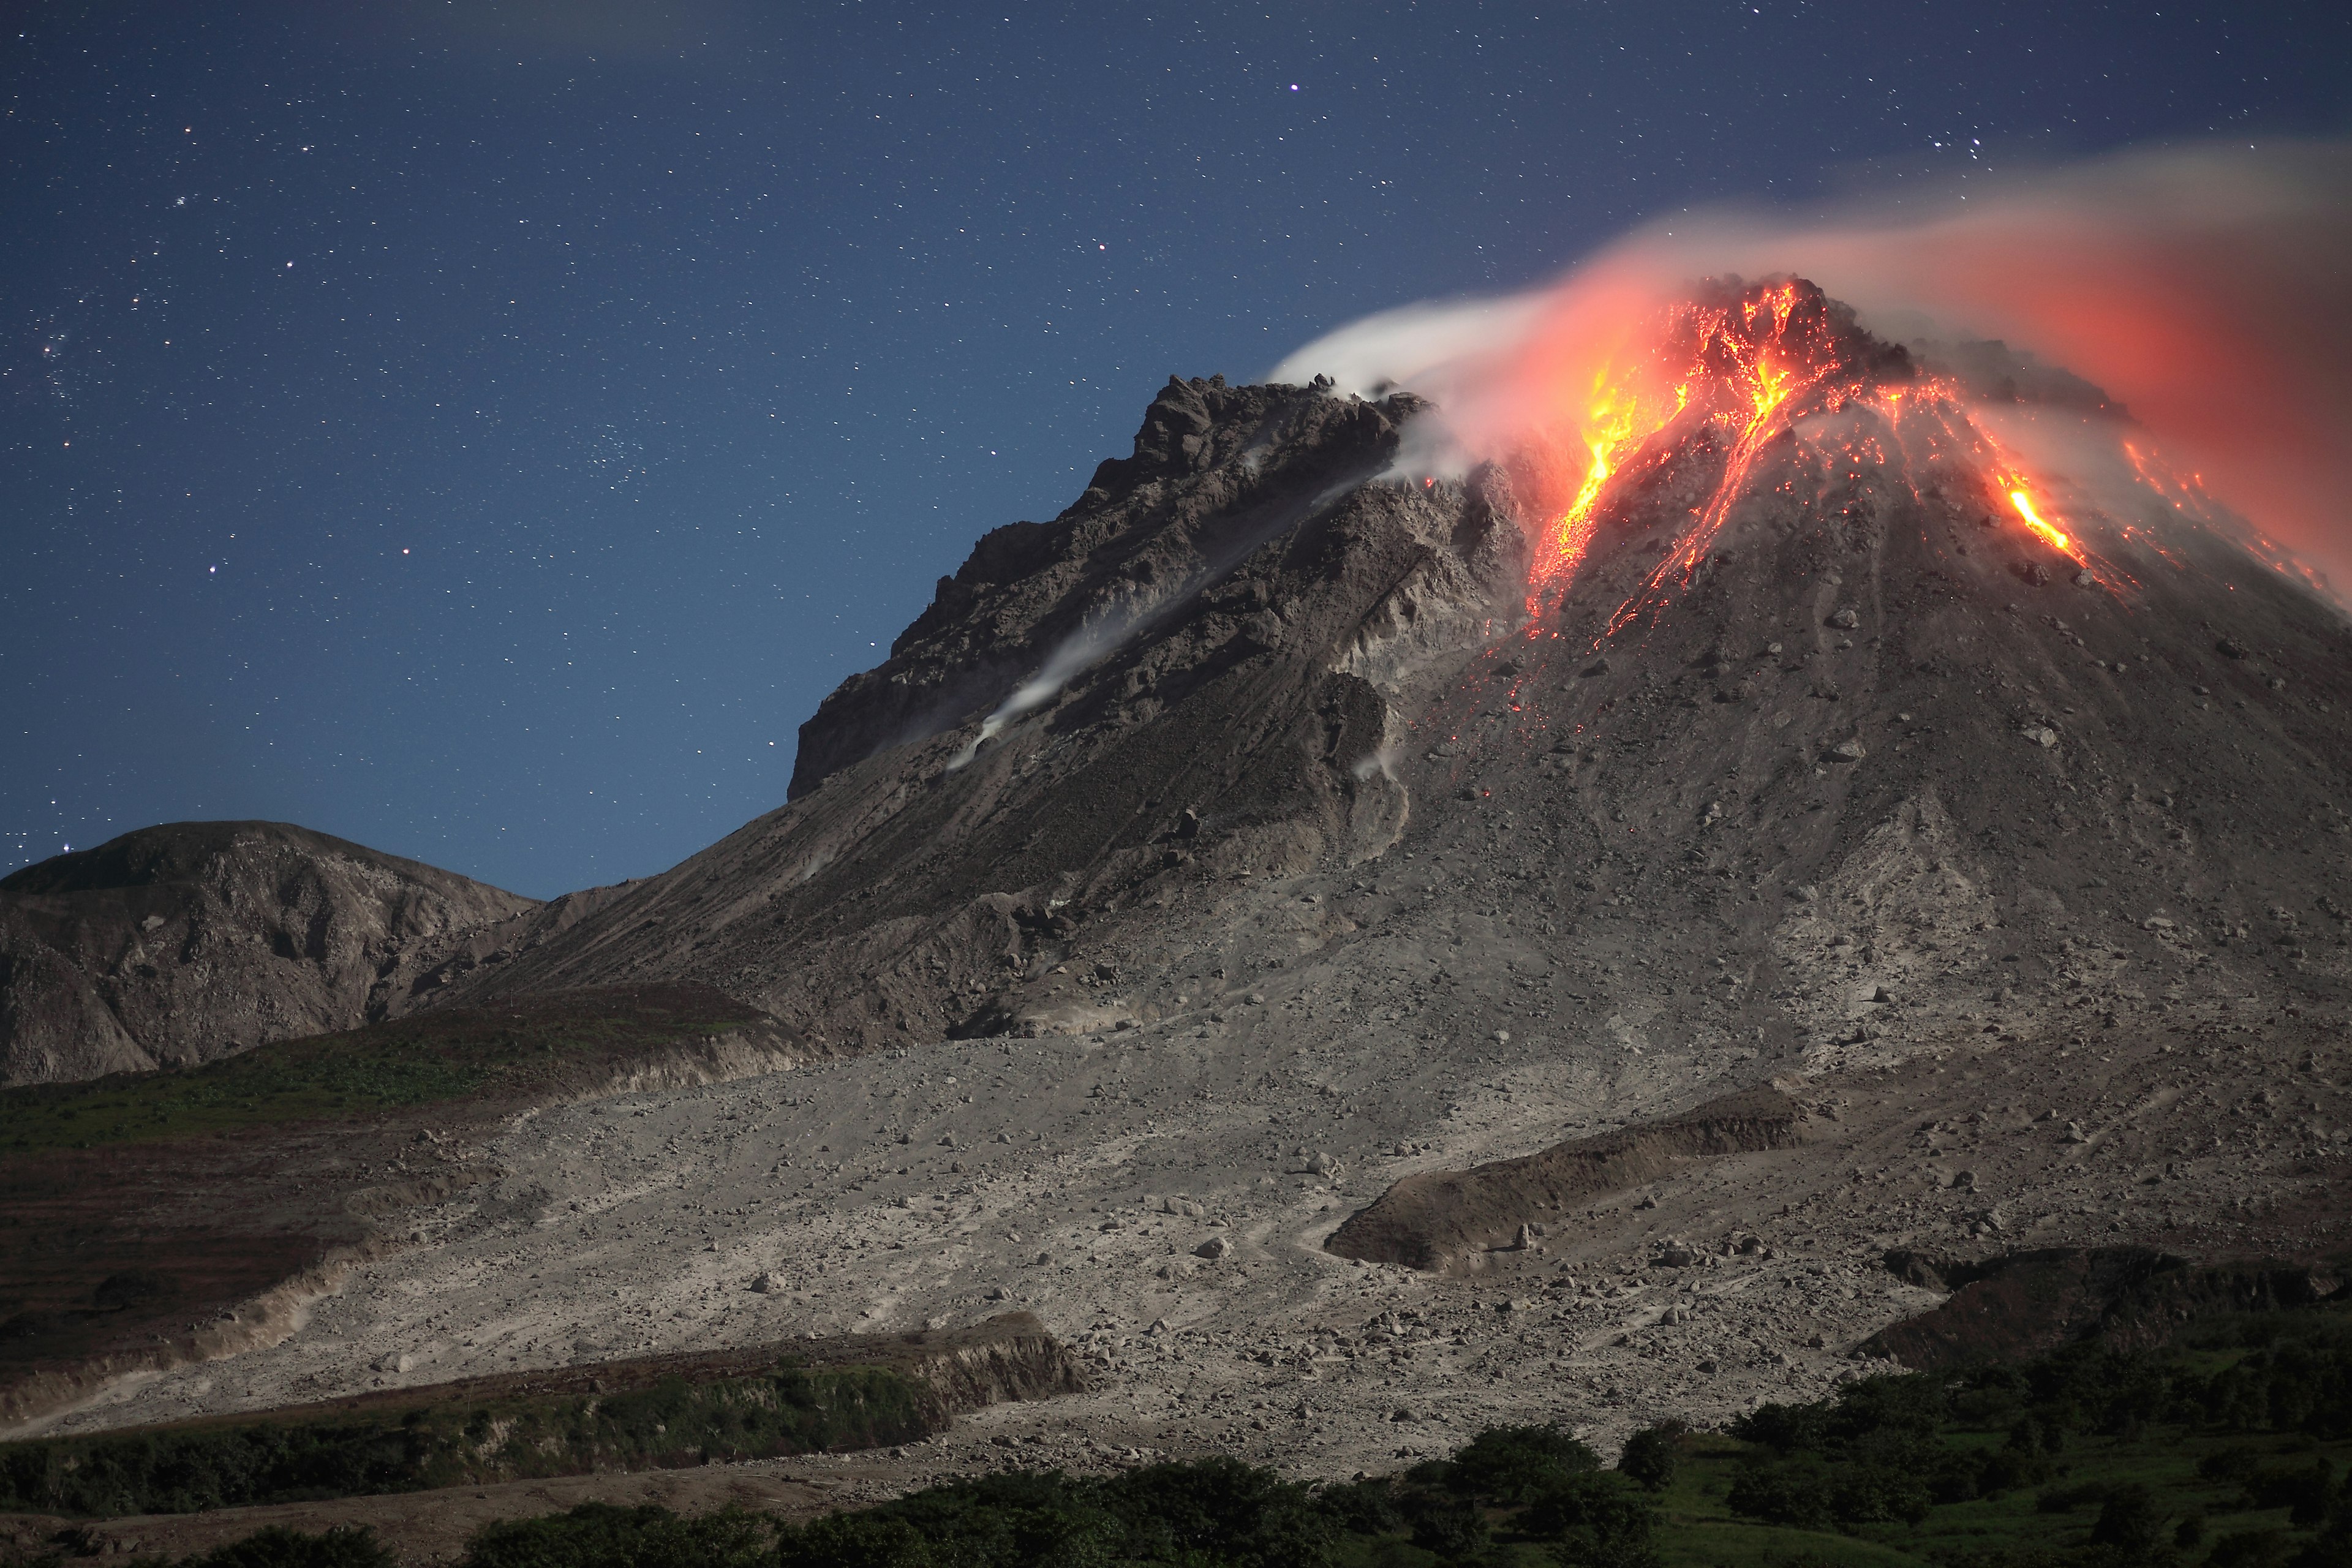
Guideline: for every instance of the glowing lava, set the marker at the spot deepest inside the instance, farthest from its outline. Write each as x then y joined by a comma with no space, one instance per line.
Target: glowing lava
1734,366
2022,500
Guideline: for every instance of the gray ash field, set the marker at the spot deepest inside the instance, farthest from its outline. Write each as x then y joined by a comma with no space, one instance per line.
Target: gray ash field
1252,837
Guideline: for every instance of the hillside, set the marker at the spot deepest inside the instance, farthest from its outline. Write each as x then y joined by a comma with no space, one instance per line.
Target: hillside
176,944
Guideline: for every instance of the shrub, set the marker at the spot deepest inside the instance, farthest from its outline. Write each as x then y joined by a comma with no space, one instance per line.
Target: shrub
2130,1522
1509,1465
606,1535
1596,1521
1446,1522
1360,1507
1784,1428
343,1546
1793,1492
1222,1509
852,1541
1911,1404
1878,1494
1651,1455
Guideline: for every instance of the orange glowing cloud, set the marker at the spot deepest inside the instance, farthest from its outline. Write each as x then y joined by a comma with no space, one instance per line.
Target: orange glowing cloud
2205,289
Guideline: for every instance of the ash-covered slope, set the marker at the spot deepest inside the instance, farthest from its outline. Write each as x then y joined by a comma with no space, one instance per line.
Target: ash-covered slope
1809,751
175,945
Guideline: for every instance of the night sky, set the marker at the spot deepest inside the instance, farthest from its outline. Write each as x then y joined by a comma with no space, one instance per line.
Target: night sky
485,431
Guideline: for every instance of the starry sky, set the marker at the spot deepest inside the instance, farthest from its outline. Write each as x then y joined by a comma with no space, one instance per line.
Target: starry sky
485,431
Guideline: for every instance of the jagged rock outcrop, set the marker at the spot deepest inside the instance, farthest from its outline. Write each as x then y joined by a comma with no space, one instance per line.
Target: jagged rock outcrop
1159,685
175,945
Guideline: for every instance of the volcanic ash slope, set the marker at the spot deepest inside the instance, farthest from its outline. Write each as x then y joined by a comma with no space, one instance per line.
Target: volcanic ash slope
1253,835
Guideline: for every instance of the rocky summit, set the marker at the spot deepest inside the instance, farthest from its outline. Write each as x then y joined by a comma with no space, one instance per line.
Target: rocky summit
1368,953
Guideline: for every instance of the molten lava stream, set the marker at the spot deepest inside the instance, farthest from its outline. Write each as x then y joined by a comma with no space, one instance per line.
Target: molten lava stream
1618,421
1774,386
2022,500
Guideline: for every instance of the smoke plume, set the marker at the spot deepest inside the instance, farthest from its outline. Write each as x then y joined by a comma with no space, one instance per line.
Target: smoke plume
2208,291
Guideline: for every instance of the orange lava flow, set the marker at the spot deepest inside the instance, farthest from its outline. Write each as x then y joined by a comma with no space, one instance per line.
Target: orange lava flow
2022,500
1619,418
1739,363
1772,388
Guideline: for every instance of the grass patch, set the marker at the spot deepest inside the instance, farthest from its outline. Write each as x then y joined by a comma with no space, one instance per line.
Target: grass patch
462,1053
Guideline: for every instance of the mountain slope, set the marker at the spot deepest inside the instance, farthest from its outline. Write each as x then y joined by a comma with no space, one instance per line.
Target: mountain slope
1872,733
1789,851
176,944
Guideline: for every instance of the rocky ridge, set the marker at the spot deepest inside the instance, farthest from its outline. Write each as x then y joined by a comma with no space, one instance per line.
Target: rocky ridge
177,944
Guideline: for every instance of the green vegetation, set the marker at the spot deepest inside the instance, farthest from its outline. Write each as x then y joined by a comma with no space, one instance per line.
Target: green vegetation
458,1053
2228,1450
1213,1513
789,1410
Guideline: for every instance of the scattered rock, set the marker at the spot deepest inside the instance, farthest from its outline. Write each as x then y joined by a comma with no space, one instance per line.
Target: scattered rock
1845,620
2041,735
1216,1247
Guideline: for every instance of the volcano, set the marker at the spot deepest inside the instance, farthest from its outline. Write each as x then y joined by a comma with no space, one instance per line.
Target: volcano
1307,896
1804,694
